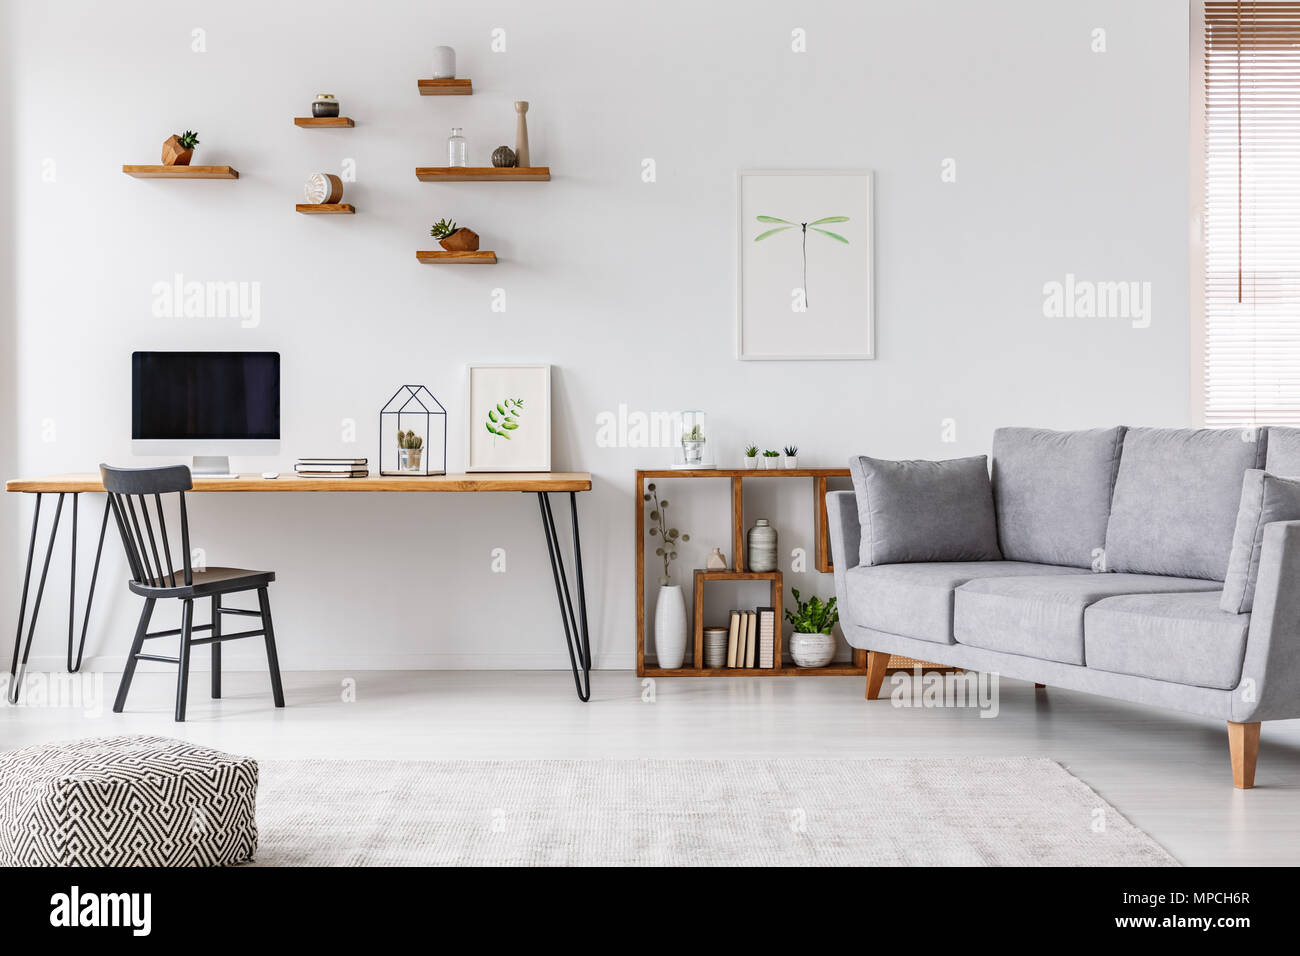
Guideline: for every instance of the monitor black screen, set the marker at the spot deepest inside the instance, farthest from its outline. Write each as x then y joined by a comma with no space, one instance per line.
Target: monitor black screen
205,395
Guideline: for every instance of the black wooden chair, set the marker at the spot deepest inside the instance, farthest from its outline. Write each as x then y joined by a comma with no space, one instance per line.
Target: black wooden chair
128,486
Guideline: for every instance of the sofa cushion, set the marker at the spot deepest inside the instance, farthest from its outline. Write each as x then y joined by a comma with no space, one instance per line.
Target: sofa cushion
1183,638
1176,498
925,510
915,600
1264,498
1282,455
1036,472
1042,617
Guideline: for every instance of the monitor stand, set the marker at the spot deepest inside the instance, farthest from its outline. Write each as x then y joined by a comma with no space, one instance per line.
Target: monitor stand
211,466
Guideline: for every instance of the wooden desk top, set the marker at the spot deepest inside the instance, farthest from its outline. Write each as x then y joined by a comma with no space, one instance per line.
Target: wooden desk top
479,481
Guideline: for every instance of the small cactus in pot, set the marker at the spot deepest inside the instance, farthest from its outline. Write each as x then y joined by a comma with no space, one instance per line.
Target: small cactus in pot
791,456
178,149
454,238
410,449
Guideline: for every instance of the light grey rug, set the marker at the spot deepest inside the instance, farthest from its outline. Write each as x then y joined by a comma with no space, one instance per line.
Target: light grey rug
879,812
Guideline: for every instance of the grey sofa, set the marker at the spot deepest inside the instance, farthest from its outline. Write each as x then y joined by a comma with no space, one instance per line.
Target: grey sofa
1114,548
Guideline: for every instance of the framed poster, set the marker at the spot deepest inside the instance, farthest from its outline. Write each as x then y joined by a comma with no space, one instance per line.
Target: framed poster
806,272
509,418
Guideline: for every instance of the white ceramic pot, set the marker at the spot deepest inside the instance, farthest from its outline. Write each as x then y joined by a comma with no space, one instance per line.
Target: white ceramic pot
670,627
751,463
444,63
791,461
771,463
812,650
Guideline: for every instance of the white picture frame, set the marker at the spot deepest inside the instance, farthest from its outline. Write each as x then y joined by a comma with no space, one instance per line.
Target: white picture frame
490,392
771,275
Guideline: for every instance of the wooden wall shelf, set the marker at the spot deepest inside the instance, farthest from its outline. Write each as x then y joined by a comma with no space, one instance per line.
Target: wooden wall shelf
324,122
181,172
480,257
453,87
483,174
324,208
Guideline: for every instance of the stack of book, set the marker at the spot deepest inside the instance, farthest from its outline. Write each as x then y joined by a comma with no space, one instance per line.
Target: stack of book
332,467
751,639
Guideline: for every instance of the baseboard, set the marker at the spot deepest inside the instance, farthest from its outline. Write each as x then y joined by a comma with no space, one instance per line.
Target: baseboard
416,661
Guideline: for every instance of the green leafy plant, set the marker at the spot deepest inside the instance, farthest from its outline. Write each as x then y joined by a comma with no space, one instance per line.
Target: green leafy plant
804,227
771,454
751,451
442,229
409,440
189,139
813,616
791,451
503,418
667,537
695,434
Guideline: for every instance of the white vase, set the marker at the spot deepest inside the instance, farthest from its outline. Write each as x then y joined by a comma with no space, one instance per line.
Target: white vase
444,63
791,462
751,462
670,627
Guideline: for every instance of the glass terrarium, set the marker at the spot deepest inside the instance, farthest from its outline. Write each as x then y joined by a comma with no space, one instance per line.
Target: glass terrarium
413,433
695,445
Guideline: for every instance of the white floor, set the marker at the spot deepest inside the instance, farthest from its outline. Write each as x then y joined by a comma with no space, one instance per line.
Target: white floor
1168,773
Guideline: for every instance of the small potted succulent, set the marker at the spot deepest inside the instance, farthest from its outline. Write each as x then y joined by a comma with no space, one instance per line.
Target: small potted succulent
812,644
792,456
751,457
771,460
693,445
454,238
410,448
178,148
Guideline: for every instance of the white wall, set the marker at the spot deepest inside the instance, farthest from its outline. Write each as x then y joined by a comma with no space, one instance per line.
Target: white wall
1067,160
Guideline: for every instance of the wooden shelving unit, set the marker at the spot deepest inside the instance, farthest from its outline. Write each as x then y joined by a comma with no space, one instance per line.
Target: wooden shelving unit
181,172
483,174
324,122
480,257
324,208
453,87
737,477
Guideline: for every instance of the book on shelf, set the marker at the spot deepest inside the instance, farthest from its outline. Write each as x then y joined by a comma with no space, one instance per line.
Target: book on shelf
331,474
767,637
751,639
332,467
733,637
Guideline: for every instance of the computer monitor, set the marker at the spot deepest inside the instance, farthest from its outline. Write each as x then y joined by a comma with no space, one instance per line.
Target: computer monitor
206,404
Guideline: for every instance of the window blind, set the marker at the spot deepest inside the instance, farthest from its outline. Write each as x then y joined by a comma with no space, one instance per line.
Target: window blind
1251,217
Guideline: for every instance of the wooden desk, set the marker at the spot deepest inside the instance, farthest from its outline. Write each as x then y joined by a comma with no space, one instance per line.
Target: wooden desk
577,638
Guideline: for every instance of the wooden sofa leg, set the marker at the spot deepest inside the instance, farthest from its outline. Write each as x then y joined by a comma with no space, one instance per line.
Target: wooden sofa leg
877,662
1243,746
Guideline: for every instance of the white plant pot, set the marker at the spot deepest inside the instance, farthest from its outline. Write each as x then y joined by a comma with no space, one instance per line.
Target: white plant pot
751,463
772,464
670,627
791,462
812,650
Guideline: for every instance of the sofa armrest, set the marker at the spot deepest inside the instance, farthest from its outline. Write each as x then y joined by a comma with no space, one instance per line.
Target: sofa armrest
1270,676
846,535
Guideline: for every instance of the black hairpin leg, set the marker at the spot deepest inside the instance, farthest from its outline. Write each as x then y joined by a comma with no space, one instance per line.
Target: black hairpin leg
23,650
576,636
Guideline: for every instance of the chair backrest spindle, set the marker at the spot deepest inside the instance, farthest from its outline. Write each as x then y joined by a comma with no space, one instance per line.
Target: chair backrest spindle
125,484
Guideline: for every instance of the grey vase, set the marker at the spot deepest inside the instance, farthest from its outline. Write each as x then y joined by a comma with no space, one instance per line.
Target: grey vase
762,546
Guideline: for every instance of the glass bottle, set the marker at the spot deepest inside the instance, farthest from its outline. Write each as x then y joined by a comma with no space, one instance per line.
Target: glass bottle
456,154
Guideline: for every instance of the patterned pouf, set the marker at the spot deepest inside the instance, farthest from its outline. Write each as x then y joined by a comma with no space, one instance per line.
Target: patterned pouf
126,801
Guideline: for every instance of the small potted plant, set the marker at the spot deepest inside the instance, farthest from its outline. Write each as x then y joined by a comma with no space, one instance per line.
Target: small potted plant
812,644
693,445
792,456
751,457
410,448
454,238
178,148
670,606
770,460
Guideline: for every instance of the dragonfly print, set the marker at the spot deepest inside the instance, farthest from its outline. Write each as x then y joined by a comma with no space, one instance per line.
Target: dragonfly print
783,224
